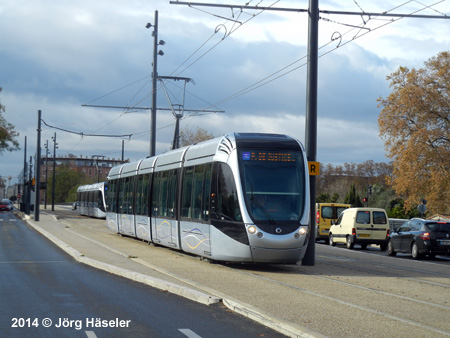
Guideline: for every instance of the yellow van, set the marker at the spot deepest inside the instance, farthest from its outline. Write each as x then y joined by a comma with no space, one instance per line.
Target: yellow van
326,213
361,226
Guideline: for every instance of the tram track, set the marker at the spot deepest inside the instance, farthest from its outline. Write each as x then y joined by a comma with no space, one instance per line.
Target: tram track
331,259
364,308
387,273
379,299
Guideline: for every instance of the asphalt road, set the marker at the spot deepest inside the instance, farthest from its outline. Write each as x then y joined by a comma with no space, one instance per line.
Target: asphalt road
45,293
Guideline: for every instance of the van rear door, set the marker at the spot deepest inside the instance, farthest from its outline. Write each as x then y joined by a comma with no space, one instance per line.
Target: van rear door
363,225
380,225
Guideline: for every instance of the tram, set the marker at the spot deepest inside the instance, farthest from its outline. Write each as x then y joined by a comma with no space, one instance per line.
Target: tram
242,197
91,200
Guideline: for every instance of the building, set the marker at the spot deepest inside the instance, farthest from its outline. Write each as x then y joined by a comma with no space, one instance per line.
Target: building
94,167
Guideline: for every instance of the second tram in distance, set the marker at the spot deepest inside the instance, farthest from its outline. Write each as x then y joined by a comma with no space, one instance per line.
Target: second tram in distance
242,197
91,200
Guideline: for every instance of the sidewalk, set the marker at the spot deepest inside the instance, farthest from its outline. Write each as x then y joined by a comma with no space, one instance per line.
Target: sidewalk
89,241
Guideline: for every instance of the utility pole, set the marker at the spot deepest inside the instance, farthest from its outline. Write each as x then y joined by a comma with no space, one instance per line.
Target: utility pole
311,121
24,206
154,78
46,174
37,200
54,171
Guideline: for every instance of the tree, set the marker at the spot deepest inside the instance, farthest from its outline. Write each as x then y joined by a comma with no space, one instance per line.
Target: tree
414,124
66,181
188,137
7,133
353,198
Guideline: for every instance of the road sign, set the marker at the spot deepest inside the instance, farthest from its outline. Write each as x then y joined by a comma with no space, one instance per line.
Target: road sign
422,208
314,168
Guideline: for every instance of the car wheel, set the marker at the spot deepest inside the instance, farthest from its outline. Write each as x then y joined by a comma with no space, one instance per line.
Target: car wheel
415,251
330,241
390,249
349,243
383,247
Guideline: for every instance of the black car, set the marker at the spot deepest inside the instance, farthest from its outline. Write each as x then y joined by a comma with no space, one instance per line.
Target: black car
420,237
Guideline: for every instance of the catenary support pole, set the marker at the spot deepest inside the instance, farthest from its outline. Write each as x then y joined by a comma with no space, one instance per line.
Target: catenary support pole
37,175
311,120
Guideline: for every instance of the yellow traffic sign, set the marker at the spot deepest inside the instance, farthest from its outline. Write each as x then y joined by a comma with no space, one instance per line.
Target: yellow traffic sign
314,168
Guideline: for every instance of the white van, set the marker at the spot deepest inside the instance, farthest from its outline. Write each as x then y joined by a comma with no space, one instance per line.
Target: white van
361,226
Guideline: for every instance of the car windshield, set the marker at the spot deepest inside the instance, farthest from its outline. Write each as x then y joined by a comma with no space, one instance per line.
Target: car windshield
273,184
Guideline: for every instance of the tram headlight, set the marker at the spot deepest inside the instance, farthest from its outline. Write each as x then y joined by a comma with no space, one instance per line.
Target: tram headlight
252,229
303,230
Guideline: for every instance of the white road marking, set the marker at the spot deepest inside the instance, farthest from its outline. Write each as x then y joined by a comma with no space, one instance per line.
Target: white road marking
189,333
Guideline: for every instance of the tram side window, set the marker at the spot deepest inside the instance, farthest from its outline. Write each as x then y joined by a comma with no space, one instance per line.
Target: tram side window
100,200
90,199
196,190
120,196
142,194
206,192
187,192
126,195
111,197
227,200
172,193
163,194
130,195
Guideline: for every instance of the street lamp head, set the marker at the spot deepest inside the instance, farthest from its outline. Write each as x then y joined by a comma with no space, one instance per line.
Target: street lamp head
161,42
148,25
161,53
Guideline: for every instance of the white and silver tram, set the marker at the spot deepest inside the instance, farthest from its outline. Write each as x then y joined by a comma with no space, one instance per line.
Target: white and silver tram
238,198
91,200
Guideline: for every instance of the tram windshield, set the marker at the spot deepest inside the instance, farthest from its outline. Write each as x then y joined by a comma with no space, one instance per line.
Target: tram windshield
273,184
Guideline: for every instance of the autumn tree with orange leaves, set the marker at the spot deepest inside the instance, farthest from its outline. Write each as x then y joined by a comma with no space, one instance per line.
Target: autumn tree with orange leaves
415,126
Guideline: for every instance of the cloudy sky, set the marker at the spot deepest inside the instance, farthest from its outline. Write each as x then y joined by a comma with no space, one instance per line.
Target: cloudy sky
56,56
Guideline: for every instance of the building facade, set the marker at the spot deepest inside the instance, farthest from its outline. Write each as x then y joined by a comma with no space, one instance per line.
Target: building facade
95,168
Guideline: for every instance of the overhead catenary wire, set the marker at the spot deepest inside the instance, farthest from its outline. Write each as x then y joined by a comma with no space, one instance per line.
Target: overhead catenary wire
85,134
273,76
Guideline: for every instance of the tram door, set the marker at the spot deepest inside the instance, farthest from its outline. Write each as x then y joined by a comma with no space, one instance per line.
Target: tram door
111,206
141,207
164,221
126,206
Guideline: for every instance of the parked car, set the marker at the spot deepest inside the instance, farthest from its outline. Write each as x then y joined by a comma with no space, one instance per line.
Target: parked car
6,204
420,237
361,226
